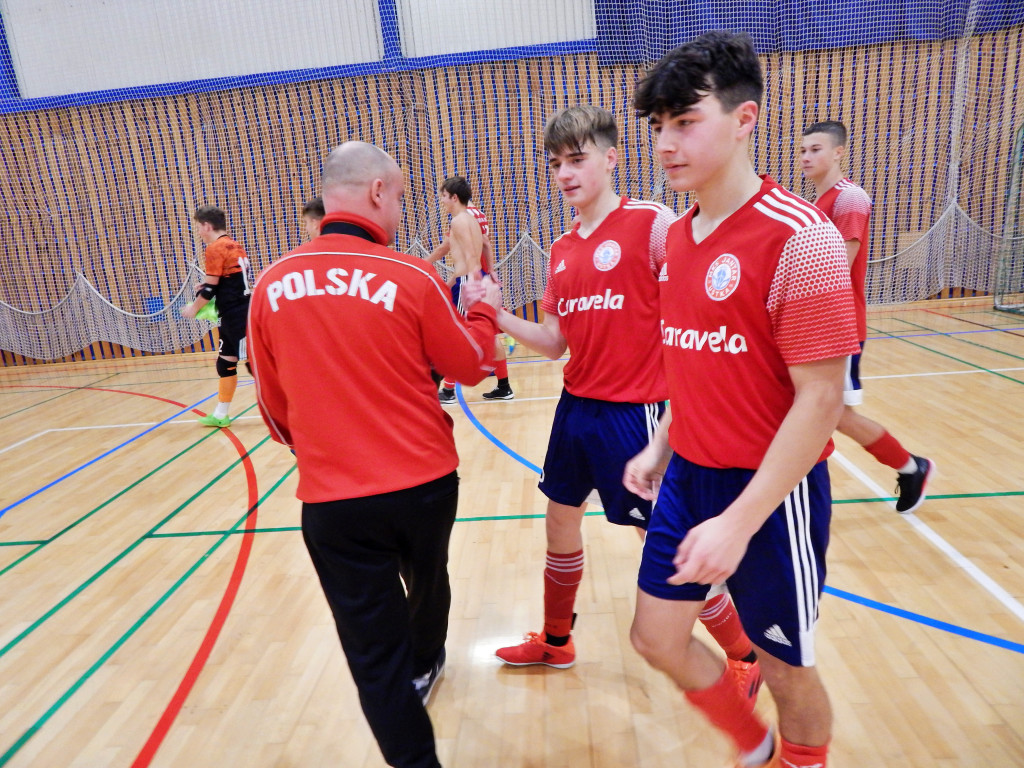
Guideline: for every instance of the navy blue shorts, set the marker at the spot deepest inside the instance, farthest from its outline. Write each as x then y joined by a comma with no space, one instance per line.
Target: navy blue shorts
779,581
457,291
591,441
852,393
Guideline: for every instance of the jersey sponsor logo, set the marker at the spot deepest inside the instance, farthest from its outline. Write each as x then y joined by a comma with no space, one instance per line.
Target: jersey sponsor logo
560,267
776,635
723,277
337,282
716,341
607,300
607,255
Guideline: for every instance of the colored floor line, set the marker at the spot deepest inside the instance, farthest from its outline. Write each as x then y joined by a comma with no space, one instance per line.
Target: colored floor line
247,518
96,509
71,391
990,640
985,326
243,458
213,632
76,470
906,340
188,681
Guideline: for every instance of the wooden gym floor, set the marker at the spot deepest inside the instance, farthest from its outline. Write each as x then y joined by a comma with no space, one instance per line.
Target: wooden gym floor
157,606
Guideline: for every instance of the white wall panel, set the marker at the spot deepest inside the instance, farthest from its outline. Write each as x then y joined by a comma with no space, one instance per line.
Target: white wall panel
432,27
74,46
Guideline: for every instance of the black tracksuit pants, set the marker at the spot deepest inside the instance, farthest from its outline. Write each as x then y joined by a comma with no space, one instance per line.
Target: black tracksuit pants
363,549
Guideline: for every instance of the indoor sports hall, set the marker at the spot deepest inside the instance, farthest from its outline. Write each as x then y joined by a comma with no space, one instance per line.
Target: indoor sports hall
157,604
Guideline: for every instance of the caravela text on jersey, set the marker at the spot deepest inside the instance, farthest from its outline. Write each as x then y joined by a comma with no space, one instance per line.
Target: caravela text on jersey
607,300
300,285
716,341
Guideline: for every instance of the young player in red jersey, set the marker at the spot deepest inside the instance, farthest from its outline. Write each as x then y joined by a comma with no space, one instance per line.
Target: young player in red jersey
226,280
849,208
757,318
601,302
469,243
377,481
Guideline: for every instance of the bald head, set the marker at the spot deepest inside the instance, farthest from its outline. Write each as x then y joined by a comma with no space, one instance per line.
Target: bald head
365,180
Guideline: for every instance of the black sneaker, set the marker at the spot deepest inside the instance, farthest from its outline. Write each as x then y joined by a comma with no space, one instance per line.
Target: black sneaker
446,396
910,486
424,684
499,393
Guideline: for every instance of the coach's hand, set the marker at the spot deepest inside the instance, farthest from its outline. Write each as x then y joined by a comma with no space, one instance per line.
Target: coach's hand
189,310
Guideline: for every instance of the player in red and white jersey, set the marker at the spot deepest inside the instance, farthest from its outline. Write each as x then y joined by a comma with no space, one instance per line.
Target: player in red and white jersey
343,331
757,318
468,242
849,207
601,302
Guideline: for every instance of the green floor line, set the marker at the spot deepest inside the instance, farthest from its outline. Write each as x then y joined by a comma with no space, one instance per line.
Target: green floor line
34,728
65,393
145,537
952,357
965,340
596,513
119,494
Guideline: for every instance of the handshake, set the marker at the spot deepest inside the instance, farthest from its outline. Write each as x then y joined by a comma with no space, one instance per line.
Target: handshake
485,289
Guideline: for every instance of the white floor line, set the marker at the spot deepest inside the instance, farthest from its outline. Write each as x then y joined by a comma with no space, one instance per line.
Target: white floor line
941,373
516,399
112,426
1000,594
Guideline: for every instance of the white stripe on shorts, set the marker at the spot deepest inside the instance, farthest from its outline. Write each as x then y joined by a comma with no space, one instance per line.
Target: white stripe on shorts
805,567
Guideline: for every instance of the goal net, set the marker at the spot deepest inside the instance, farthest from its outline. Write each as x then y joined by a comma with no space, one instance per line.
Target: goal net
118,119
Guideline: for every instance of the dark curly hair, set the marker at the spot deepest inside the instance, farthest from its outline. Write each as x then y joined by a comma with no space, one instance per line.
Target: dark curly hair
720,63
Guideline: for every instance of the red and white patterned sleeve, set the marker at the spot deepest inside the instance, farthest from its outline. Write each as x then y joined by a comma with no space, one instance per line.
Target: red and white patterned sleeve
811,302
663,219
851,211
549,301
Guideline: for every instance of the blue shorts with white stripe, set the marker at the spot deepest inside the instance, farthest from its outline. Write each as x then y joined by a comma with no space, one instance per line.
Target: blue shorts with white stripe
778,583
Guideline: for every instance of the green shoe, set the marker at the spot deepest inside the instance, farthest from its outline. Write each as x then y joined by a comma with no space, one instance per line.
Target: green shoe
213,421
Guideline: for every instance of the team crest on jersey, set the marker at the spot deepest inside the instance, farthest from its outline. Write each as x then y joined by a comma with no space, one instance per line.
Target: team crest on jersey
607,255
723,277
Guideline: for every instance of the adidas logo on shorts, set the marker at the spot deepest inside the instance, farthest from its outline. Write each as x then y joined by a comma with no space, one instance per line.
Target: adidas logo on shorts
774,633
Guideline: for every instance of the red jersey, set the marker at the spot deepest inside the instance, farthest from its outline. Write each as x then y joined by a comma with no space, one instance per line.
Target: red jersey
604,290
485,228
849,207
769,288
342,334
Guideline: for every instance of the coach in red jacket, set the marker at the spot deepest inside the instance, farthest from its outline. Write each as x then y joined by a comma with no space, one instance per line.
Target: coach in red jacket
342,335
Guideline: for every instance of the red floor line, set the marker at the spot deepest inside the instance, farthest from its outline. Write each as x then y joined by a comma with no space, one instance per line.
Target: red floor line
163,726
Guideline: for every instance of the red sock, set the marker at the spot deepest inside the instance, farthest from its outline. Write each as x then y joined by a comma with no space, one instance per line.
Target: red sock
799,756
562,576
720,619
731,712
448,384
887,449
501,367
